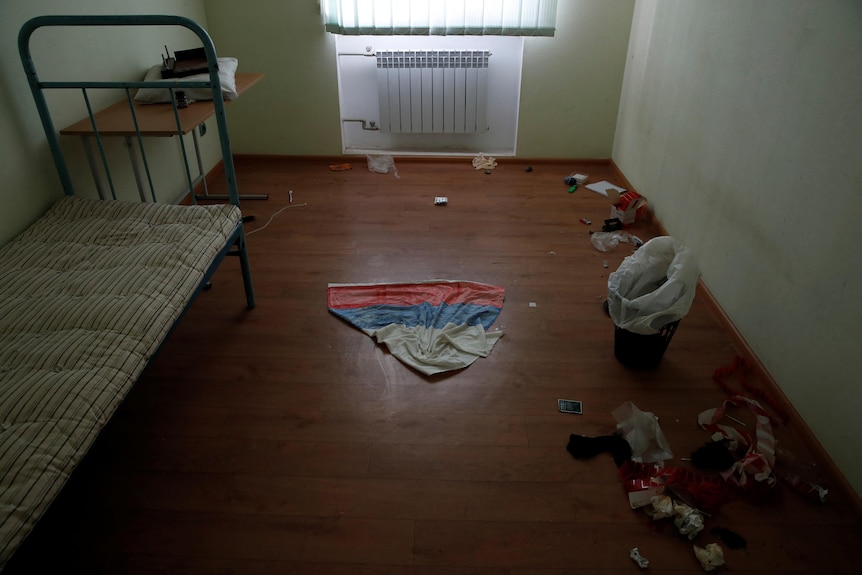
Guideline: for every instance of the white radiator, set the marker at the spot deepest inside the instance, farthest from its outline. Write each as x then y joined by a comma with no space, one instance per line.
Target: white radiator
433,91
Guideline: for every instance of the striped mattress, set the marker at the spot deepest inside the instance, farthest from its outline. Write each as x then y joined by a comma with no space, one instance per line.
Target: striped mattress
87,295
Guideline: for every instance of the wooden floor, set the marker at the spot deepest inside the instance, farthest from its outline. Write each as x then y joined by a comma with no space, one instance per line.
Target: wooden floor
282,440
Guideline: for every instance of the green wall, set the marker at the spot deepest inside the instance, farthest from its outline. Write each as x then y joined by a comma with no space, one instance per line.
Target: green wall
741,122
30,180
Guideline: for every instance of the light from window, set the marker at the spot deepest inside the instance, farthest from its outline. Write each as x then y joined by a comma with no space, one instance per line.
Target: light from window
440,17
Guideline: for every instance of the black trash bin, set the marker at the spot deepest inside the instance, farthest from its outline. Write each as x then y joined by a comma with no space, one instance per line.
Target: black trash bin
640,351
648,296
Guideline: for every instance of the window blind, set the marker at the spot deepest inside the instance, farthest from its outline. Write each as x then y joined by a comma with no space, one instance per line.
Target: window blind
440,17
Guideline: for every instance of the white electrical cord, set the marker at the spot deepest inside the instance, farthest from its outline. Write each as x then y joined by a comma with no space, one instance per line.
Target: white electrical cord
269,221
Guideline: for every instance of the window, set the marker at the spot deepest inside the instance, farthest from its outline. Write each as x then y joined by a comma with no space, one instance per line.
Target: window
440,17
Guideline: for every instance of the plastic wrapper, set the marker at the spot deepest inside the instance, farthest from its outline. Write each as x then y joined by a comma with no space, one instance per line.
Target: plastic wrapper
606,241
382,164
642,431
652,287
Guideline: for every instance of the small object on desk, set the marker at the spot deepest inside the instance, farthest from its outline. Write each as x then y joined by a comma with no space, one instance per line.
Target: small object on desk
290,196
586,221
573,188
339,167
182,100
184,63
441,200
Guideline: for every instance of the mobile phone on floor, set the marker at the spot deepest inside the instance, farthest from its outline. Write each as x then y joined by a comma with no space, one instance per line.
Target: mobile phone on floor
570,406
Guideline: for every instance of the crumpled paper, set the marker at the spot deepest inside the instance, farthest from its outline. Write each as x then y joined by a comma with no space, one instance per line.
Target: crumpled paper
482,162
688,521
710,557
642,561
661,507
642,431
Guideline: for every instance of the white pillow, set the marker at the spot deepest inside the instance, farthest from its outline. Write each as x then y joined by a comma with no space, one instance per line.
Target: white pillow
226,73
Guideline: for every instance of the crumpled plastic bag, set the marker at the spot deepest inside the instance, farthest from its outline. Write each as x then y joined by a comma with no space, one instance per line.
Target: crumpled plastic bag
606,241
653,287
382,164
642,431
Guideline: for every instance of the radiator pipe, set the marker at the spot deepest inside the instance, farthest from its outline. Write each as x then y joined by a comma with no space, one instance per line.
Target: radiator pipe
369,51
366,125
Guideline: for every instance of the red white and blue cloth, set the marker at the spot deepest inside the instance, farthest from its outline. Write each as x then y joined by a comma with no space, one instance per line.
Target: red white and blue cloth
432,326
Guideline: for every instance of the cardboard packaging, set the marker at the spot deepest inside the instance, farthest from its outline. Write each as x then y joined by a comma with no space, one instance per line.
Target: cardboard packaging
627,207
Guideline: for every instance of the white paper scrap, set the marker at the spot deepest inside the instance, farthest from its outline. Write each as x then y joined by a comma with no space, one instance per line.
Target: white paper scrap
635,555
602,188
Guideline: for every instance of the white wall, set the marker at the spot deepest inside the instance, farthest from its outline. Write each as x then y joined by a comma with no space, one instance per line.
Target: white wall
30,181
570,89
742,123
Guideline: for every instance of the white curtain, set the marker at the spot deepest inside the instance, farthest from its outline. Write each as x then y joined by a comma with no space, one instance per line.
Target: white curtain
440,17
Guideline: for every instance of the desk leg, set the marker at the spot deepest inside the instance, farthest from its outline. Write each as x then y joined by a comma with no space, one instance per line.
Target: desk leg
133,158
88,151
203,178
206,195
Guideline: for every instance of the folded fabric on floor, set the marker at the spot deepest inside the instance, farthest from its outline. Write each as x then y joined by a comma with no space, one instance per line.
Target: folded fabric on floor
432,326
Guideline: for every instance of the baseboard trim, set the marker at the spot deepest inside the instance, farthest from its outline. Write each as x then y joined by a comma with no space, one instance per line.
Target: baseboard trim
419,158
762,374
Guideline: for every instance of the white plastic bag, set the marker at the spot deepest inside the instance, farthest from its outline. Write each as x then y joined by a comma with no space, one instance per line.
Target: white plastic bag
382,164
606,241
642,431
653,287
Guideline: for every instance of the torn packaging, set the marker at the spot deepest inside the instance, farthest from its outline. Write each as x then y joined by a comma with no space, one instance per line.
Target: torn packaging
642,431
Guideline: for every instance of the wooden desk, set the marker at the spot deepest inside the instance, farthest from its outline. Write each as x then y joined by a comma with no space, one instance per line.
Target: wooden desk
154,120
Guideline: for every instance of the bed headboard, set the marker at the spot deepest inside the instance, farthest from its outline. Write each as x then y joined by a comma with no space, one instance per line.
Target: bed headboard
212,83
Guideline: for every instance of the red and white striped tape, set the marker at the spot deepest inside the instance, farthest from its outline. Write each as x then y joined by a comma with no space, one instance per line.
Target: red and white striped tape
759,458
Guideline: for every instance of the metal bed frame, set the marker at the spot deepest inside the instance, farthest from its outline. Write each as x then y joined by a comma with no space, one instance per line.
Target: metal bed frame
236,245
20,513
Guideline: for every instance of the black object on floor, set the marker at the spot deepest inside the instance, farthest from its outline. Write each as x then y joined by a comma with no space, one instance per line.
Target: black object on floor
713,455
729,538
583,447
612,225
